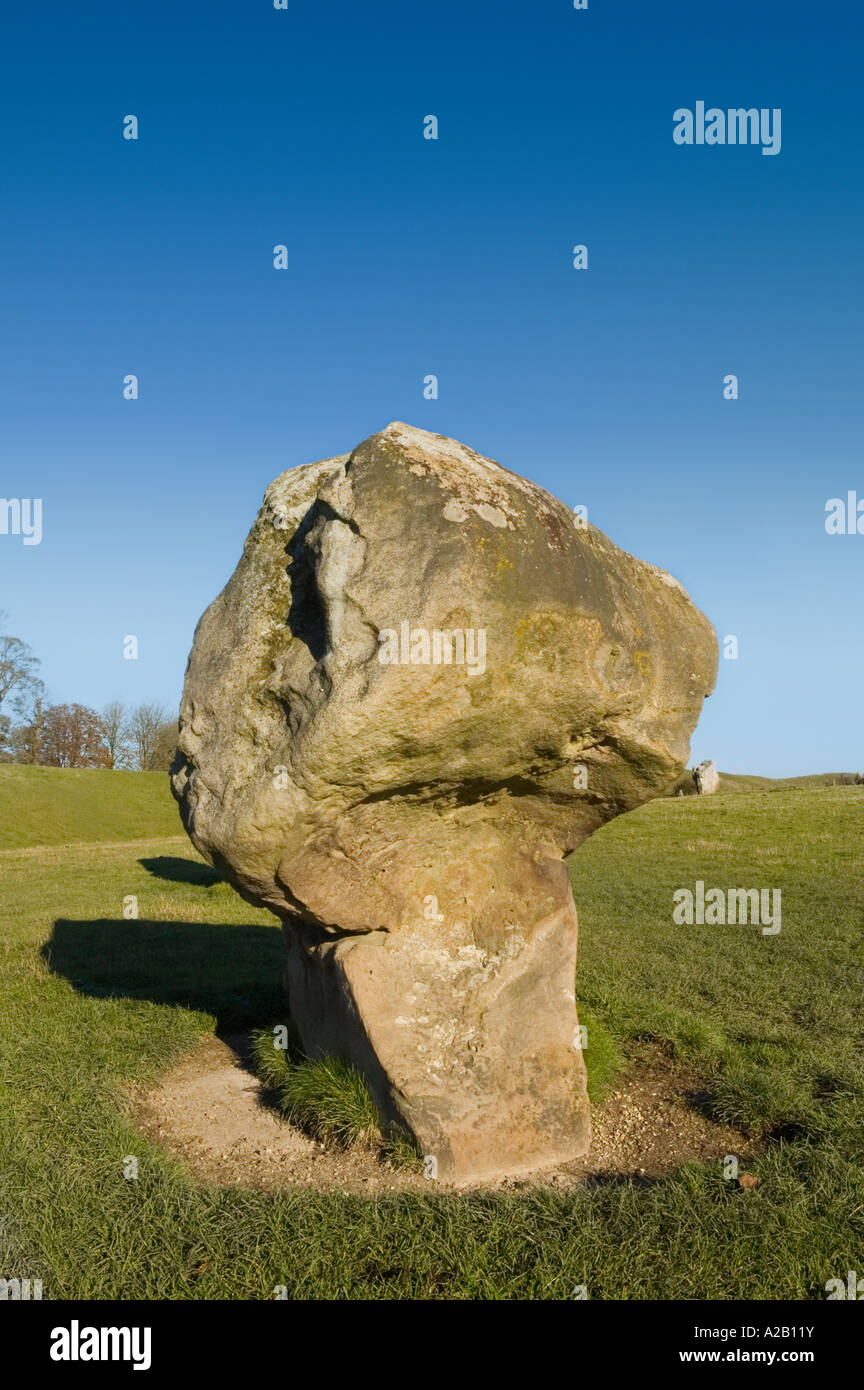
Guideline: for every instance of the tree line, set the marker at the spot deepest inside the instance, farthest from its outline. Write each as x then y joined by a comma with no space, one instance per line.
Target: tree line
34,731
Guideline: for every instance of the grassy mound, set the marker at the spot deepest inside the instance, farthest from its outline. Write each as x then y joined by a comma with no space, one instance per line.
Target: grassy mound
59,805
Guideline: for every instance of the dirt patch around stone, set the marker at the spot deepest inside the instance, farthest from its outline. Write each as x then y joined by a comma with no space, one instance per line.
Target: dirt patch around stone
653,1123
211,1113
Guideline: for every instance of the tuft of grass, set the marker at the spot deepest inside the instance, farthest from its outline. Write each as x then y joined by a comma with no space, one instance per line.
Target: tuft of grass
681,1033
762,1100
326,1097
274,1053
401,1150
604,1060
329,1099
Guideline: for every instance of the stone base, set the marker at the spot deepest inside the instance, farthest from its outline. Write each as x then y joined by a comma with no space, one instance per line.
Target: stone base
477,1053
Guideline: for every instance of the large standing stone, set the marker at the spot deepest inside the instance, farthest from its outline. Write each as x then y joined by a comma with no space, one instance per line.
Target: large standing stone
706,778
424,684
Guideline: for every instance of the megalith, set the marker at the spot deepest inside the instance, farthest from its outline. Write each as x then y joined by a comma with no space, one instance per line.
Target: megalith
426,682
706,778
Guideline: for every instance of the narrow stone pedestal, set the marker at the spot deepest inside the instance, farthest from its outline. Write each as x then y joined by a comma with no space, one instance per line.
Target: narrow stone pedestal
475,1051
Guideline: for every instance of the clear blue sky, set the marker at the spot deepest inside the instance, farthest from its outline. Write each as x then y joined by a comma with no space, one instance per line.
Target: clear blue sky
410,257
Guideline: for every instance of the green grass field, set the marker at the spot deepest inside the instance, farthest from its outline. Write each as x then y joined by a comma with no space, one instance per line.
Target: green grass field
736,782
92,1001
56,806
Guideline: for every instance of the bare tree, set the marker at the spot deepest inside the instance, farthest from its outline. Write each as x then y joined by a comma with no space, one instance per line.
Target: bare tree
145,723
25,739
72,736
166,745
18,666
116,733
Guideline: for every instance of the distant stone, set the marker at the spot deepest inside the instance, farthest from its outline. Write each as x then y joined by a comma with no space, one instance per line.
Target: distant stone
423,686
706,778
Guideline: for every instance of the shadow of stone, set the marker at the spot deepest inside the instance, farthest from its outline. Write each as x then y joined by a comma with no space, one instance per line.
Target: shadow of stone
178,870
231,972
